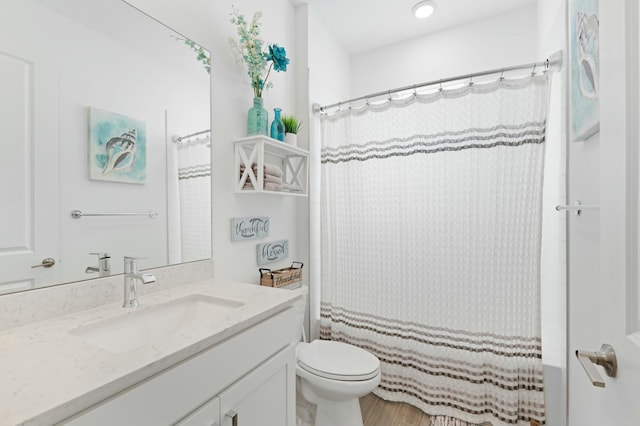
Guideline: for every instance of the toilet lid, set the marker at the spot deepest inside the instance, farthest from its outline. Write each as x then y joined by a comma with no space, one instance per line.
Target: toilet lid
338,361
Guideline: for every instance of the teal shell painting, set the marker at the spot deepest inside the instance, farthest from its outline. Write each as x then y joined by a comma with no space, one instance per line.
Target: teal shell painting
117,147
584,44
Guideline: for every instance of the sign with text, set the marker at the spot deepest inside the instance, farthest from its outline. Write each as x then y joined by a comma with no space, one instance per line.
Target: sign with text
272,251
249,228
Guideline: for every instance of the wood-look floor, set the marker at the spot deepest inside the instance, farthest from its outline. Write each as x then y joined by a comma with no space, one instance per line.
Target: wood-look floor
378,412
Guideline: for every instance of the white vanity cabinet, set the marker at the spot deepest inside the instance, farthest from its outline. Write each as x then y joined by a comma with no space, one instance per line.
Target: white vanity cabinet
250,375
207,415
261,397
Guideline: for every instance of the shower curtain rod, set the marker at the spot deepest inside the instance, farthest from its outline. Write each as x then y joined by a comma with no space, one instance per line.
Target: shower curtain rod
180,139
553,63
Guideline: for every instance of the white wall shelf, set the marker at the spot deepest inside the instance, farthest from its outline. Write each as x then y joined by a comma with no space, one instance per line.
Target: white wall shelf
261,150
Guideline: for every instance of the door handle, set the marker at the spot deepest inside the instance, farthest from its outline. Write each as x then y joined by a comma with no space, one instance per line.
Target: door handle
233,416
47,262
606,357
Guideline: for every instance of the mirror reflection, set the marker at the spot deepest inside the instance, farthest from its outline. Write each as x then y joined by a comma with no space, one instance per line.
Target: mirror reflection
105,113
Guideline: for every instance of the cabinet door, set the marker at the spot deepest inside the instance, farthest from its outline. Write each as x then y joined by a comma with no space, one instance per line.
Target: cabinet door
207,415
265,396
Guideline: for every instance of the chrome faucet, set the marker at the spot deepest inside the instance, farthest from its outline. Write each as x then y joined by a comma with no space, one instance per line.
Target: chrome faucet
104,265
131,278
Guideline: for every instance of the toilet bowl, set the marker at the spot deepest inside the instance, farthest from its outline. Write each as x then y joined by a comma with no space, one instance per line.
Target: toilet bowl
333,375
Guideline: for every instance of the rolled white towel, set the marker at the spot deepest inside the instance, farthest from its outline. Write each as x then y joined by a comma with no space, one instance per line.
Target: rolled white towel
267,179
272,179
269,169
269,186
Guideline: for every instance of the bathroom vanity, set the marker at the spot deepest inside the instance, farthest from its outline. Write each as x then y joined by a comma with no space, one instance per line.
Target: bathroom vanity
208,353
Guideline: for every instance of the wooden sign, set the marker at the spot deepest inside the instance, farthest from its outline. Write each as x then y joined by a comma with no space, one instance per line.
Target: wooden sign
272,252
249,228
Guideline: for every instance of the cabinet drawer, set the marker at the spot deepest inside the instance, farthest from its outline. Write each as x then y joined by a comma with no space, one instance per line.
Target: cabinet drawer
207,415
264,397
174,393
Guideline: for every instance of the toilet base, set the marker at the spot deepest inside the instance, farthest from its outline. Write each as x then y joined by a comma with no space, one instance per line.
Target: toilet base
343,413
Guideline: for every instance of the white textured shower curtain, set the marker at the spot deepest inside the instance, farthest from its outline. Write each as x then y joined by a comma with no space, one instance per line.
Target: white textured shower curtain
430,246
190,202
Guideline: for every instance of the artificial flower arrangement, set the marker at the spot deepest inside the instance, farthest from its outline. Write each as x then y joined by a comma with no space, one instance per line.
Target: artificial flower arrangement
251,50
202,55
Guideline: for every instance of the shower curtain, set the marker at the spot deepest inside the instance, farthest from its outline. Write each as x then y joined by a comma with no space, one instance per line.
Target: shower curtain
193,175
430,229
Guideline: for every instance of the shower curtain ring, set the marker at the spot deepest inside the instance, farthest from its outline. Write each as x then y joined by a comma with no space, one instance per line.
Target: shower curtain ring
440,86
470,81
415,93
533,72
501,75
390,99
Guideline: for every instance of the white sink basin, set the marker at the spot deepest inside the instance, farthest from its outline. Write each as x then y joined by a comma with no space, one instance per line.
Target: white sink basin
155,324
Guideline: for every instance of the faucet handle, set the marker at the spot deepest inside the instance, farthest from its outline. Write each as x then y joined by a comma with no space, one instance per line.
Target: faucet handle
134,258
147,278
102,255
131,263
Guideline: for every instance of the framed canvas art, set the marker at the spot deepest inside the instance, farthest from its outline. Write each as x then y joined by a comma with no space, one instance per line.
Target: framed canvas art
584,69
117,147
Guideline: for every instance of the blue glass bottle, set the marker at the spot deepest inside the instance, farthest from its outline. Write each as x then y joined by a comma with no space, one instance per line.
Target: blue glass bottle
257,119
277,127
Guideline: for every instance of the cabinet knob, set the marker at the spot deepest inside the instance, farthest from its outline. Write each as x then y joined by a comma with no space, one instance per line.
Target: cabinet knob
233,416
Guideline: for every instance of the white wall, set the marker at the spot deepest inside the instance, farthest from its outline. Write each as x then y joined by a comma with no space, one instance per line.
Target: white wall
499,41
552,38
329,64
207,23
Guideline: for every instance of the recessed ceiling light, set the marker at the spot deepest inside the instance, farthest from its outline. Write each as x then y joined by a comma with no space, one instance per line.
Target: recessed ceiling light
424,9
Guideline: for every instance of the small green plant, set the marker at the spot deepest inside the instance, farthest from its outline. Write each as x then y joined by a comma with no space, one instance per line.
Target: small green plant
291,124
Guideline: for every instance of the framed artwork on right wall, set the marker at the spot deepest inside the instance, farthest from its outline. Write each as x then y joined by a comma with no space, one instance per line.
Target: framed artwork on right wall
584,69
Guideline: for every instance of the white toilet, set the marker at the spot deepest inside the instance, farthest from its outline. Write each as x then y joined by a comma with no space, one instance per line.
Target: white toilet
333,375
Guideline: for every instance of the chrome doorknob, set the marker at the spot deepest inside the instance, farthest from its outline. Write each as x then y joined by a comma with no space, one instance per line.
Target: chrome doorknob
47,262
606,357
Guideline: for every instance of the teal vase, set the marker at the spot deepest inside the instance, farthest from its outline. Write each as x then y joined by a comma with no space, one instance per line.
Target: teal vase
257,119
277,127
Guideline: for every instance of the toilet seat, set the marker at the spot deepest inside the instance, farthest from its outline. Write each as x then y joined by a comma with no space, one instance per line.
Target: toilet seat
338,361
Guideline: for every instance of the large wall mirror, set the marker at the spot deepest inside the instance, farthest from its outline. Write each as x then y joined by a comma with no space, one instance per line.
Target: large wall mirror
106,112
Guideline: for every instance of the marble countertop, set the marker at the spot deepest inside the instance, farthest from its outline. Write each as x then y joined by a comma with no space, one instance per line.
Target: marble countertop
48,374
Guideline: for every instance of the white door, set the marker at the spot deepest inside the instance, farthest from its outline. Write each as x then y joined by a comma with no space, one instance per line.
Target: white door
28,156
603,246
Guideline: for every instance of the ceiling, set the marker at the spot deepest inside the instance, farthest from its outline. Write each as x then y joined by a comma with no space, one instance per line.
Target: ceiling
363,25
